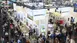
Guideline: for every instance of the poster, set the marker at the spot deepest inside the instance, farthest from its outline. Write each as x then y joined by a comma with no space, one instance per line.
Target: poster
42,25
30,17
43,29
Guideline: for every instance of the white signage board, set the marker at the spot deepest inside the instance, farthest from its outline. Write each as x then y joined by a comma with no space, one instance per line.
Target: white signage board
39,14
64,9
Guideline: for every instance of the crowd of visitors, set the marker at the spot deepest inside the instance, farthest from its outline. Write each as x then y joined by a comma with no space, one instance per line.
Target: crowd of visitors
58,32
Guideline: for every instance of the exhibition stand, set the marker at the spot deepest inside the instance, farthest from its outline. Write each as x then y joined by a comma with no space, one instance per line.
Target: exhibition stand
37,19
34,18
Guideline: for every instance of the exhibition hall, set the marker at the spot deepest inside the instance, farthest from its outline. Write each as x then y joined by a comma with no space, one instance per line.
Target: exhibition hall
38,21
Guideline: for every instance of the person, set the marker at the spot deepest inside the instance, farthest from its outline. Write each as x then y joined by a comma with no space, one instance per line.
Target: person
67,24
72,20
56,9
76,24
19,41
63,38
44,39
69,32
11,21
60,12
12,33
48,9
58,35
2,40
19,32
27,41
30,31
47,40
72,40
36,31
11,26
76,30
40,39
51,21
23,39
57,23
52,37
61,22
48,33
6,37
56,40
12,41
67,39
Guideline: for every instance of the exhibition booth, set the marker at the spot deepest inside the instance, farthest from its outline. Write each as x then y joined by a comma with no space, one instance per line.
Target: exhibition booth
33,18
38,18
